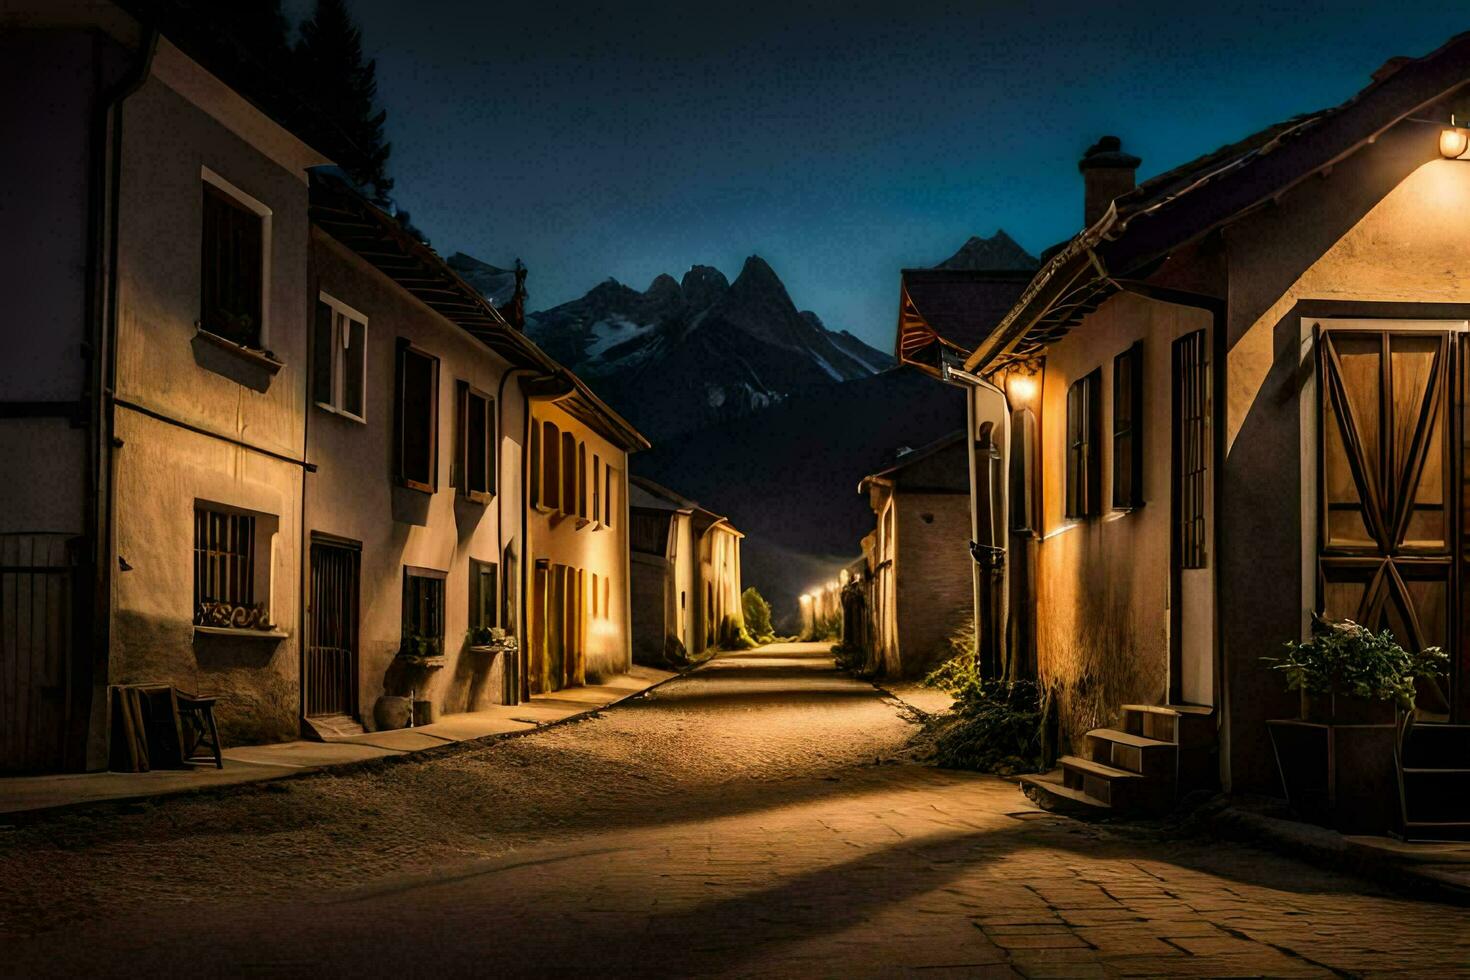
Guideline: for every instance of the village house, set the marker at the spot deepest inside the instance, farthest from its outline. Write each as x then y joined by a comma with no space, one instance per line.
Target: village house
919,582
578,616
1231,401
686,575
273,444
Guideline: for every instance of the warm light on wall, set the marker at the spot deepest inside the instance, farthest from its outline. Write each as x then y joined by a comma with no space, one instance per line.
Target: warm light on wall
1021,387
806,597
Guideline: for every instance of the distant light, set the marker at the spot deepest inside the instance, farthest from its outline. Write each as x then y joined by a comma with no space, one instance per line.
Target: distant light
1021,387
806,597
1453,143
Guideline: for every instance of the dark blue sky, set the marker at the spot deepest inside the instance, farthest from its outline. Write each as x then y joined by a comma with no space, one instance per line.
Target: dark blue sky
840,141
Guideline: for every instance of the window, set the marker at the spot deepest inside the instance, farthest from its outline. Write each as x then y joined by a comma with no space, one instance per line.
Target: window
596,489
1128,428
1084,469
582,482
607,496
1192,448
595,591
232,566
232,263
423,610
418,418
224,565
1023,471
568,474
483,595
550,467
339,359
475,445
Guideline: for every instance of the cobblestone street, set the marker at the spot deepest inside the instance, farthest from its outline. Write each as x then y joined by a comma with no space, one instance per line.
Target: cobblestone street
754,817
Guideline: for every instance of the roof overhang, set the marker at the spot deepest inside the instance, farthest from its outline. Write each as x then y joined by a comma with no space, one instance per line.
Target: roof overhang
1143,228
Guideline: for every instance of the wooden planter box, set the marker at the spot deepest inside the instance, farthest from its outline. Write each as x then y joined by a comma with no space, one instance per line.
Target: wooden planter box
1339,775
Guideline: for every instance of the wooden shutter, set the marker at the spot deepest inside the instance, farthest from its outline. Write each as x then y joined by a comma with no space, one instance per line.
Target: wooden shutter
417,420
1128,428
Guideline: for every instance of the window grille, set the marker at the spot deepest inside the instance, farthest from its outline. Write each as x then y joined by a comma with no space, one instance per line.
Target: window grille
224,560
1192,449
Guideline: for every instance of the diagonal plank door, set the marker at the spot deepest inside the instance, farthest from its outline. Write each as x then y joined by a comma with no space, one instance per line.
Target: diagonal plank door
1386,538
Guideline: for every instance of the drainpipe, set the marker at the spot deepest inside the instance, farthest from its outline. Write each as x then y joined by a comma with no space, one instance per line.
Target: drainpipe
500,517
989,577
105,180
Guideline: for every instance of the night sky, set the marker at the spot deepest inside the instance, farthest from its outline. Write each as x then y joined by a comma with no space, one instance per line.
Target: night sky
841,142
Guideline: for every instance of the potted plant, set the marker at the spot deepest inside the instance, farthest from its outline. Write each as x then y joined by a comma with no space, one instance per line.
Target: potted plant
1337,759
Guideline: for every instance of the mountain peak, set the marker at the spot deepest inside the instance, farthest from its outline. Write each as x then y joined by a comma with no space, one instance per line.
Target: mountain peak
998,253
704,286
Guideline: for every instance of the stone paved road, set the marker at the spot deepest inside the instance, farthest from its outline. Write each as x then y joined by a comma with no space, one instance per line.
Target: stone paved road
732,823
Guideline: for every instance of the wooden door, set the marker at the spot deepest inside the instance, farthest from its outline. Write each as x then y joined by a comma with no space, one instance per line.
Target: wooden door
40,723
1386,529
331,653
1192,584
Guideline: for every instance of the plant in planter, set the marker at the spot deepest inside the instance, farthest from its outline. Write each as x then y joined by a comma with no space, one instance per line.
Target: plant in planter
1344,661
419,648
1337,760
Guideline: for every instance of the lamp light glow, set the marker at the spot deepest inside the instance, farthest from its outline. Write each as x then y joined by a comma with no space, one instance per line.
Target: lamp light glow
1021,387
1453,143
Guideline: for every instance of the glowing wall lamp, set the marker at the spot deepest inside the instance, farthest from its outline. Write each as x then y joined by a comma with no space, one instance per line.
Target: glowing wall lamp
1453,142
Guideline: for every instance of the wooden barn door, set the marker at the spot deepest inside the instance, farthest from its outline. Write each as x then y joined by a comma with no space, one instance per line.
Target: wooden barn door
38,717
331,654
1386,533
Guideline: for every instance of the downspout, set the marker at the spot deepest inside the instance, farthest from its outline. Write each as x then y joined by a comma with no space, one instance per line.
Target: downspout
101,302
990,562
520,633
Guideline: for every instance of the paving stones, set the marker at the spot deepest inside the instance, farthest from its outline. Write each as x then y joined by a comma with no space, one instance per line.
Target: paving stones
691,834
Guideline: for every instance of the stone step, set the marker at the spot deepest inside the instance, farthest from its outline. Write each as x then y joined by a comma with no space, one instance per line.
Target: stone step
325,728
1118,788
1049,791
1133,753
1182,724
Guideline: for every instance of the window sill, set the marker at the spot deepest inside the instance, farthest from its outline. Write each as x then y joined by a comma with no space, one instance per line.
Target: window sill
241,633
340,413
258,358
475,497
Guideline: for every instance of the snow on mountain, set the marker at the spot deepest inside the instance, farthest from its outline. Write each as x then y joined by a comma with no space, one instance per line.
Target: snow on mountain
684,354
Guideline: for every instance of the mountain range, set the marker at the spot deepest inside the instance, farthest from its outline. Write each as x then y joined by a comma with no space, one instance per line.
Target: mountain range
687,353
754,407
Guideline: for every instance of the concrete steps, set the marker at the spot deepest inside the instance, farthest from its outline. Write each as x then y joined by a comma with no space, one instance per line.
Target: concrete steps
1139,767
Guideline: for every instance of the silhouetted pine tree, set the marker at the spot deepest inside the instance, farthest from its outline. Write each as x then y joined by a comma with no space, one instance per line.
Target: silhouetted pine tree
332,74
258,26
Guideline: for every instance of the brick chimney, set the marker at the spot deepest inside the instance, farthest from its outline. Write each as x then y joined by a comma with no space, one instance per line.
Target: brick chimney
1107,173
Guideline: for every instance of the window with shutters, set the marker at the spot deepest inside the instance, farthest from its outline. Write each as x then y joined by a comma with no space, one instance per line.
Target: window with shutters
1128,428
475,443
1192,449
608,505
583,519
418,418
423,611
339,359
484,608
233,263
597,490
550,467
568,474
1084,465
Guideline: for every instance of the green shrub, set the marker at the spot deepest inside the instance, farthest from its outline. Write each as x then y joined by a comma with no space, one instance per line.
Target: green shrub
732,636
995,727
757,616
